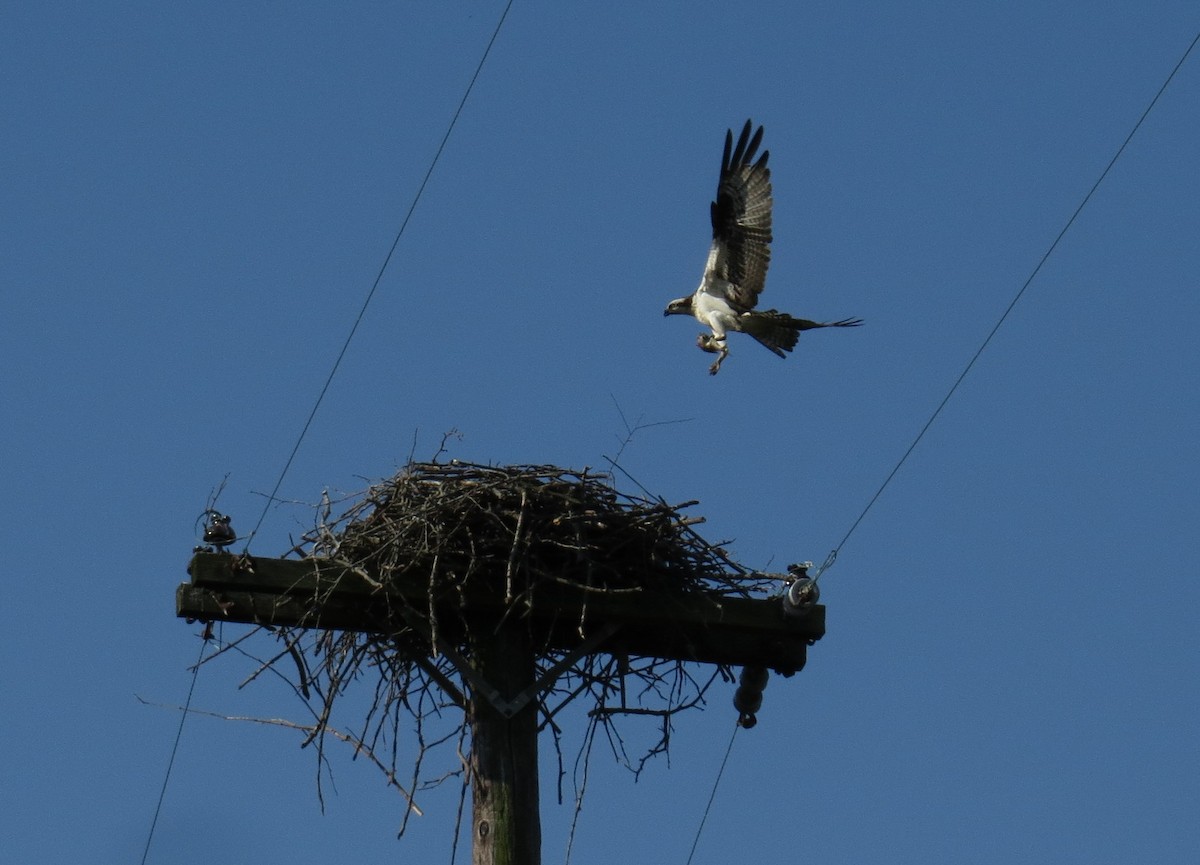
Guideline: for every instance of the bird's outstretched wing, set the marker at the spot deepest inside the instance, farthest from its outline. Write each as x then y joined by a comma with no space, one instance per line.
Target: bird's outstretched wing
741,221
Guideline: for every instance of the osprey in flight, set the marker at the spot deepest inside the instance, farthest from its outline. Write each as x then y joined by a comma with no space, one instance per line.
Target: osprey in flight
738,259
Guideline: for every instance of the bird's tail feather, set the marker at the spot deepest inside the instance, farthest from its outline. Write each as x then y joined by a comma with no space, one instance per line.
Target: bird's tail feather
779,331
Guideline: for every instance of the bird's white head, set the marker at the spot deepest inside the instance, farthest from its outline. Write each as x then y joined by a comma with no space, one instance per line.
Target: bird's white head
679,306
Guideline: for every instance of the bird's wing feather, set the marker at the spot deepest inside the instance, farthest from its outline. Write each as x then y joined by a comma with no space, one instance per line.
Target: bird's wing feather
741,220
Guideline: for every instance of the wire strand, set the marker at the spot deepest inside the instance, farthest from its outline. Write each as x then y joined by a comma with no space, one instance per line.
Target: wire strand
1016,298
162,794
712,795
379,276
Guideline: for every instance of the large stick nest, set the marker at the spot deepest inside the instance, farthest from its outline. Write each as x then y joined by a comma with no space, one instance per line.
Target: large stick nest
511,530
518,526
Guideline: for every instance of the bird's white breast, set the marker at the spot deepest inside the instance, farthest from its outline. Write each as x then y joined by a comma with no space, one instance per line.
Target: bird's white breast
711,308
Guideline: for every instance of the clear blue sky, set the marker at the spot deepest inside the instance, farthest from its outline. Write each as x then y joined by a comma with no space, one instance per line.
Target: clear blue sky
196,198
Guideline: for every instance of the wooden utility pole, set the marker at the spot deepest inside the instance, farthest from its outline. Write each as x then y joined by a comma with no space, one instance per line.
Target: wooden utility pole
500,666
506,819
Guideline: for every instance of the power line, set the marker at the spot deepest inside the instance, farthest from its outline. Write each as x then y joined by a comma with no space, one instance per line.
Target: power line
379,276
712,795
1037,268
162,794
